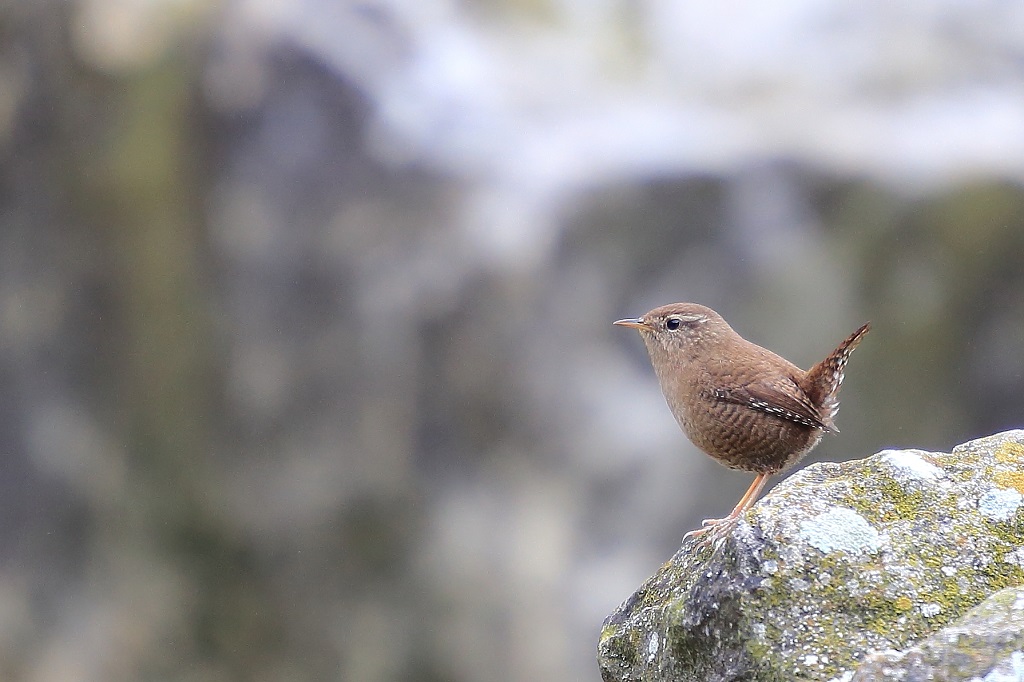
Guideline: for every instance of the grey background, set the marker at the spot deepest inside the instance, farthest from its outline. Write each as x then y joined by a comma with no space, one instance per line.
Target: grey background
305,307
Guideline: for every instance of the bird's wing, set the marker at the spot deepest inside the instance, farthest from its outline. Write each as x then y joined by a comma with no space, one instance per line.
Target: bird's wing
782,398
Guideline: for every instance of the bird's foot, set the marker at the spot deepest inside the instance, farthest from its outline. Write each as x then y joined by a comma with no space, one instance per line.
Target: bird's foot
713,530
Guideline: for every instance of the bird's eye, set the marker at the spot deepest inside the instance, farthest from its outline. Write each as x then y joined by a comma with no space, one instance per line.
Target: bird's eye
673,323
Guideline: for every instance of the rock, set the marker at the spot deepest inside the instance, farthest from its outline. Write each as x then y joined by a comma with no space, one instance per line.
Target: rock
839,561
984,646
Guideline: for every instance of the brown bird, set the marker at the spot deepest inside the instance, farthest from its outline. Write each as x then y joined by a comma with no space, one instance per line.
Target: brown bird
740,403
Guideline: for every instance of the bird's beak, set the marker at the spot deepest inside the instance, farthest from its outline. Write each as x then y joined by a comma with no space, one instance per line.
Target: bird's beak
634,322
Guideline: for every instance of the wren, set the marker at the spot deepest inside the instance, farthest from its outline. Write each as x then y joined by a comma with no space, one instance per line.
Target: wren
742,404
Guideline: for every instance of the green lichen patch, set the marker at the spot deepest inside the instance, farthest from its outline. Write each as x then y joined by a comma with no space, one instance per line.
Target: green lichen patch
1010,479
985,642
1010,452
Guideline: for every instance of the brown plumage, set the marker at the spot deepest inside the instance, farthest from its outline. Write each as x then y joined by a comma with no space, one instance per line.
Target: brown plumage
742,404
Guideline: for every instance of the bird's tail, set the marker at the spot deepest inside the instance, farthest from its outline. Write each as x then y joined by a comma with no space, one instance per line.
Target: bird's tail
822,382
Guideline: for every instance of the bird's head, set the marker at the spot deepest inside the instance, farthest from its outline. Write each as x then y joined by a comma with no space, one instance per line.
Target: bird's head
679,329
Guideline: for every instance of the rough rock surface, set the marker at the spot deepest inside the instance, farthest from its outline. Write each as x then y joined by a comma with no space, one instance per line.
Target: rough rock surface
986,645
839,561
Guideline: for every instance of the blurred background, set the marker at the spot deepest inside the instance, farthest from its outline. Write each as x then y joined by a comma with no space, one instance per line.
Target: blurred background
305,305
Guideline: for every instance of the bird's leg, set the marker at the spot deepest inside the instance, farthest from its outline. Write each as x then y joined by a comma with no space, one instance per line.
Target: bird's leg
745,503
749,497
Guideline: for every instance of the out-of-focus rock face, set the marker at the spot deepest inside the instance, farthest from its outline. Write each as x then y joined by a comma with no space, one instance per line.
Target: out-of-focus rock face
305,307
590,91
838,561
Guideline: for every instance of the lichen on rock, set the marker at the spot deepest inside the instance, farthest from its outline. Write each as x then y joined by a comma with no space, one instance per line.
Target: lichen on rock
985,645
839,561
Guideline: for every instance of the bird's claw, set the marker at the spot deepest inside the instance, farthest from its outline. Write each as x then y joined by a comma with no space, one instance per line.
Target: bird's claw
712,530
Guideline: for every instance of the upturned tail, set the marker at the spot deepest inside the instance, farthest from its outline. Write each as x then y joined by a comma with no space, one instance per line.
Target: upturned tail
822,382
